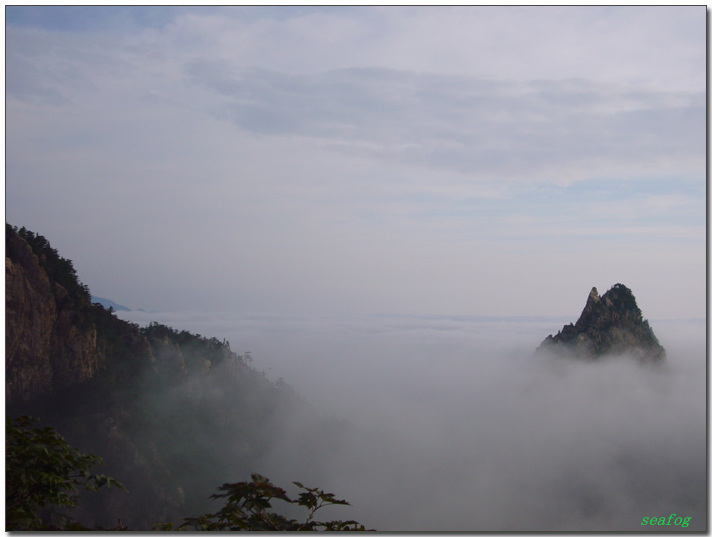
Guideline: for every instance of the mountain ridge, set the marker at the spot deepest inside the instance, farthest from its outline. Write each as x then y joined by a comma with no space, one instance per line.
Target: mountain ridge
107,303
158,404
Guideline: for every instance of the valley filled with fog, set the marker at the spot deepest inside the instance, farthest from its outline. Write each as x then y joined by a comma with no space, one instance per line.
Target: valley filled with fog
450,423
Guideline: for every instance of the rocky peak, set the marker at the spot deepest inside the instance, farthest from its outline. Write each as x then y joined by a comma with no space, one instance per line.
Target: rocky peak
609,324
591,304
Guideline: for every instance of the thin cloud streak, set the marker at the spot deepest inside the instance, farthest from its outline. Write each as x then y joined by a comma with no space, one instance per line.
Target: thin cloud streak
474,127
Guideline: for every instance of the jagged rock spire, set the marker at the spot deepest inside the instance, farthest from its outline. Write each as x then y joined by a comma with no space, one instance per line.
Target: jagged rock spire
609,324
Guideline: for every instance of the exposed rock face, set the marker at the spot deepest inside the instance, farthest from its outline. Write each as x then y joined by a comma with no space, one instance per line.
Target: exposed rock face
56,339
47,339
609,324
130,393
30,313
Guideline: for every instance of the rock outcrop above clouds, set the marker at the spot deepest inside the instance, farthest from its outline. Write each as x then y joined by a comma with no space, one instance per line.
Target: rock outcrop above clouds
611,324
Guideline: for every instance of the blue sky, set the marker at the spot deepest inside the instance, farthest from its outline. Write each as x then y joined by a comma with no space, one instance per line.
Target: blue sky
87,18
465,160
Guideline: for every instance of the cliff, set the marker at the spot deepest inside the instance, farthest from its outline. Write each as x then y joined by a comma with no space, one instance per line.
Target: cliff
611,324
50,342
172,413
56,338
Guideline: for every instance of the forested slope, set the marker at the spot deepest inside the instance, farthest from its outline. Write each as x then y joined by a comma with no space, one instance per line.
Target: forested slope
172,413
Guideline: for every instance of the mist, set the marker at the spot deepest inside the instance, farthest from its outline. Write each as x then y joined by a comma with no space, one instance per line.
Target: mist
435,423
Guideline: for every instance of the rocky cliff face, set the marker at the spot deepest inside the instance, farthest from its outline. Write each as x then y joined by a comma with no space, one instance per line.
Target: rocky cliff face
56,338
609,324
172,413
47,339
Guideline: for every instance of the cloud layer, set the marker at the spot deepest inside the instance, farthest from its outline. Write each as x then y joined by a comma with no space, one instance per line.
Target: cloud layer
482,438
427,423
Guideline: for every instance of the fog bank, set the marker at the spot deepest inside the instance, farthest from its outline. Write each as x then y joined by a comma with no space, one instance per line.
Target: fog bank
437,423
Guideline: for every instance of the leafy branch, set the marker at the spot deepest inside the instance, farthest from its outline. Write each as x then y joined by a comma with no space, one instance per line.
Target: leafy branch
248,509
44,471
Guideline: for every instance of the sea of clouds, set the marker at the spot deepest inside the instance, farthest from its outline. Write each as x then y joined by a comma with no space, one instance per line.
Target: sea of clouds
434,423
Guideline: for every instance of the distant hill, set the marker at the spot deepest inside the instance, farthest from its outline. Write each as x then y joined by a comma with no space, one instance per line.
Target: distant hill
109,303
610,324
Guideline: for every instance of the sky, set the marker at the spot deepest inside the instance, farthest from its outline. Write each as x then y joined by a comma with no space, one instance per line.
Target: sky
383,160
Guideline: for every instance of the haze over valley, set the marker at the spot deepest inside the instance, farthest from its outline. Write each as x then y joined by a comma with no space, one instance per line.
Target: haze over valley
455,416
